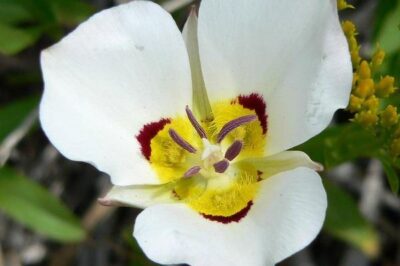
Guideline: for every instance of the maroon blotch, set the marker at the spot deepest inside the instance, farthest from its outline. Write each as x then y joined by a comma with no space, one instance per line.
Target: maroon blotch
256,103
147,133
230,219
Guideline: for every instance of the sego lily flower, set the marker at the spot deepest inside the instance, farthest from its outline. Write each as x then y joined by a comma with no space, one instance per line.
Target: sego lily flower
194,127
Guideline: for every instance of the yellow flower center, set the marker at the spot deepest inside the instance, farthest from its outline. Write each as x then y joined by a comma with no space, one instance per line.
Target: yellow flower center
204,163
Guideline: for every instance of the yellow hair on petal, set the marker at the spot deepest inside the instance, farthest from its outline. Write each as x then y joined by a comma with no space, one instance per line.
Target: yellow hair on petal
251,134
228,200
169,160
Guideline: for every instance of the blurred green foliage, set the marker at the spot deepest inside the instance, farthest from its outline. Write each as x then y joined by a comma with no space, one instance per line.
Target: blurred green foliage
33,206
339,144
344,221
23,22
387,34
12,114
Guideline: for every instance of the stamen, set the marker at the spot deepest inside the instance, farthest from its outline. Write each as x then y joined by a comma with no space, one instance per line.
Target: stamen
195,123
181,142
192,171
235,123
221,166
234,150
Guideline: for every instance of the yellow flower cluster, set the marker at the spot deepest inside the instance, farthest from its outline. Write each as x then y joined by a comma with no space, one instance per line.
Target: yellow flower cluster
342,4
369,90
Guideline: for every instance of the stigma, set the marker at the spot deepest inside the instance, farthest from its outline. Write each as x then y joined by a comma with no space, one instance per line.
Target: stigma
212,155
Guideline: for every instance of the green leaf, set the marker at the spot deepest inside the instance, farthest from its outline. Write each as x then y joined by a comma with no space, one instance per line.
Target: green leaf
71,12
339,144
391,173
41,10
388,34
344,221
35,207
13,40
382,12
14,113
348,142
12,12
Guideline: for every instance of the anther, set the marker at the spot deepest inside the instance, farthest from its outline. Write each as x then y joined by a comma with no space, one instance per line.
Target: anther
233,151
192,171
221,166
235,123
181,142
195,123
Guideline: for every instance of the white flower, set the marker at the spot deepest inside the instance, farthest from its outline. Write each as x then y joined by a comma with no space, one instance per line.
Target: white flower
261,77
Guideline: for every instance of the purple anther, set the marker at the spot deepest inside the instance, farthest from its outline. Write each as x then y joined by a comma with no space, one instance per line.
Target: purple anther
233,151
195,123
221,166
181,142
235,123
192,171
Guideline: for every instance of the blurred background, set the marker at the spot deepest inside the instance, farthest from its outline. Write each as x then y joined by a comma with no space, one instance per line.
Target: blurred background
49,213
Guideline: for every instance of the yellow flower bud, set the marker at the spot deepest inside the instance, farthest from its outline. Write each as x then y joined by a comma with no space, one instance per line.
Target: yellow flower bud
353,44
355,58
355,103
342,4
366,118
365,88
364,71
372,103
349,28
377,58
395,147
389,116
355,79
385,87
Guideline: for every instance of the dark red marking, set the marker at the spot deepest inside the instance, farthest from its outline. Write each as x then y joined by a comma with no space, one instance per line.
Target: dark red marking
147,133
256,103
234,218
259,176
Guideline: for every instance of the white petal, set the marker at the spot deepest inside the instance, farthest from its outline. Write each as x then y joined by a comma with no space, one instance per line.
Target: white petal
140,196
294,53
283,161
123,68
286,216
